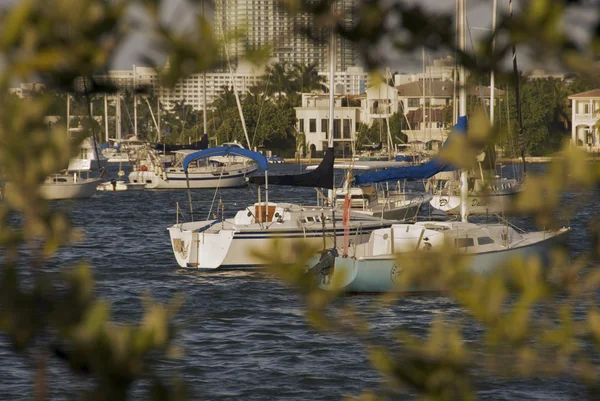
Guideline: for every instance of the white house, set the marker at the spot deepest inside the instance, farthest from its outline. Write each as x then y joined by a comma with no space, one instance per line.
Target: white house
379,101
441,70
585,108
313,121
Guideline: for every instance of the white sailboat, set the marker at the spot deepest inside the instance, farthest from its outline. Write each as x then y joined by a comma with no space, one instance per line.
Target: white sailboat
70,184
231,243
374,266
484,196
152,172
392,204
75,181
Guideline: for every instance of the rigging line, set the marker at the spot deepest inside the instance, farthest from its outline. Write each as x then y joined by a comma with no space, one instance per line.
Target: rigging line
234,86
216,191
264,99
128,115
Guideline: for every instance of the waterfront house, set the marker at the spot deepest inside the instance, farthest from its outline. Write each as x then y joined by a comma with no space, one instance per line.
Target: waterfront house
585,109
379,102
428,108
313,121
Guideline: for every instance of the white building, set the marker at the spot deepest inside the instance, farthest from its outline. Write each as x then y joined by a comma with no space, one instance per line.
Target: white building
189,90
585,108
353,81
540,73
26,89
380,101
313,121
264,23
441,70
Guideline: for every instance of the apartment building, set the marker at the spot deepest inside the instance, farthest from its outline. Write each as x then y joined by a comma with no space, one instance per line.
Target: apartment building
260,23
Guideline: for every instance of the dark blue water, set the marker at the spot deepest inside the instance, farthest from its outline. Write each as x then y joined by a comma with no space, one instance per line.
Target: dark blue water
244,334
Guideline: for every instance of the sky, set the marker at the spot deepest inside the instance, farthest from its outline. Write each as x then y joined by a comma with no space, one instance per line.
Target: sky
180,14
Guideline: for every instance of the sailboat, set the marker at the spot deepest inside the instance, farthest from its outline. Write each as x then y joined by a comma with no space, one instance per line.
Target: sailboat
75,182
485,196
231,243
374,266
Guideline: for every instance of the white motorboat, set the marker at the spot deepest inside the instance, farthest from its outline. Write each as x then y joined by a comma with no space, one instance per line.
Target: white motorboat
375,266
152,172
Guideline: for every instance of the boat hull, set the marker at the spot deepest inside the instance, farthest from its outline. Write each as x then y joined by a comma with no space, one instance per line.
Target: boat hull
231,249
477,205
178,180
69,190
379,275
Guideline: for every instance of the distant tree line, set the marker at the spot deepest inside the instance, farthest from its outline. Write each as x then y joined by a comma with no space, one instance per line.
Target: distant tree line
270,117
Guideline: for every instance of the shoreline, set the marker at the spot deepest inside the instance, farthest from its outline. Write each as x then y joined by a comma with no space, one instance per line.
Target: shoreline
528,159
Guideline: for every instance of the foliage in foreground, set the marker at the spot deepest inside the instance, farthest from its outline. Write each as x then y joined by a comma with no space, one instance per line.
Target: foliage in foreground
533,328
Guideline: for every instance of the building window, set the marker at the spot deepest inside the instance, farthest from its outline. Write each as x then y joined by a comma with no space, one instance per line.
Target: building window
324,125
414,102
347,125
301,125
312,124
337,132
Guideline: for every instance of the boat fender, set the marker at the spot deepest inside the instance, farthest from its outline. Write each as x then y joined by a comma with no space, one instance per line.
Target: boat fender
325,263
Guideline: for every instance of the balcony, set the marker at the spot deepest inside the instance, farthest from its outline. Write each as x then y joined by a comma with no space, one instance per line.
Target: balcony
587,116
380,110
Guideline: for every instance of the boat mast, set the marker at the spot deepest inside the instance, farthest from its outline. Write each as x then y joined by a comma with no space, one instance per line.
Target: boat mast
423,87
204,91
106,118
332,109
135,119
462,95
387,120
517,97
492,77
331,86
68,115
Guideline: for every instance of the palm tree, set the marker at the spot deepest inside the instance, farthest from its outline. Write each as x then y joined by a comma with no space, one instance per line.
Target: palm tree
278,80
306,78
225,99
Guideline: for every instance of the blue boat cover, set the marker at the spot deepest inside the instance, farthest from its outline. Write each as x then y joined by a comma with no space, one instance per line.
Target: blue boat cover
226,151
421,172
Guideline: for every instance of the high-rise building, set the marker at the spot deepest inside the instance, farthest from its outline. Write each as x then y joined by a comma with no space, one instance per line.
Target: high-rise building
260,23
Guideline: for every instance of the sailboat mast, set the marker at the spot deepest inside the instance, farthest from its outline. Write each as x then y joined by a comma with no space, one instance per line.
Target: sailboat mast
518,97
462,99
68,114
331,85
106,118
462,45
423,86
492,77
204,90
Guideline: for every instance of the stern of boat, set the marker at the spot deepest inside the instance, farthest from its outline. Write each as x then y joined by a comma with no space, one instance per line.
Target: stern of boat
196,247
